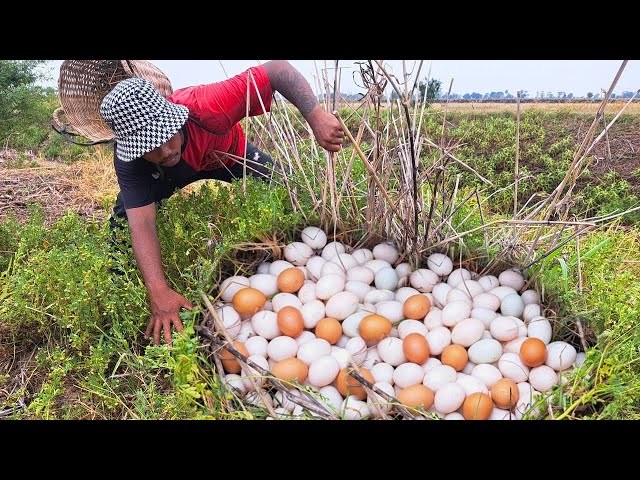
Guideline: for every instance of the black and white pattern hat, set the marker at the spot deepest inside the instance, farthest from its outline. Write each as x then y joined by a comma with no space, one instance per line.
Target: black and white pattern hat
140,117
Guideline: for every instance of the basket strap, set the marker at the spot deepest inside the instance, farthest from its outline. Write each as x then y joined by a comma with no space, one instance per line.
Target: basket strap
68,137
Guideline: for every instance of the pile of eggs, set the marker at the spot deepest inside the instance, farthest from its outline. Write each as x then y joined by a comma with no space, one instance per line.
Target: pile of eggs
444,339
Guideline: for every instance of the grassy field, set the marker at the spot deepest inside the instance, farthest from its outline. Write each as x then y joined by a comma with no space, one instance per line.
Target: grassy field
72,332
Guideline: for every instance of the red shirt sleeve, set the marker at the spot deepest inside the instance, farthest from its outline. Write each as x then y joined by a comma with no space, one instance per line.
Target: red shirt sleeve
221,105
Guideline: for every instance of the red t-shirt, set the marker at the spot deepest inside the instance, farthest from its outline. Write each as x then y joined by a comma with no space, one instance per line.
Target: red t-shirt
219,107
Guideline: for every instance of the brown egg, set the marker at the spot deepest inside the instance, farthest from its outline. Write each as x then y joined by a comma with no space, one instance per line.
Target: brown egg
289,370
477,406
416,307
505,393
329,329
229,361
533,352
416,348
374,327
347,384
290,280
248,301
455,356
290,321
416,395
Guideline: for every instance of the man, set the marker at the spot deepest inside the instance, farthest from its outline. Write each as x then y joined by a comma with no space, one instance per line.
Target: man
164,144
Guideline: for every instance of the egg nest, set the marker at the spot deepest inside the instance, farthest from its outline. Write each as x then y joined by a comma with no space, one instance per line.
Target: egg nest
329,331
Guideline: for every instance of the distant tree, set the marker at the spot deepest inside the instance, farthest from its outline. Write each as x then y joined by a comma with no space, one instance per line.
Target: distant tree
466,96
570,95
432,87
589,95
626,94
22,102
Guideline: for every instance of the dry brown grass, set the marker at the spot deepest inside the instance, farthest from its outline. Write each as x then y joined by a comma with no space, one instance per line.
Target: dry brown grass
584,108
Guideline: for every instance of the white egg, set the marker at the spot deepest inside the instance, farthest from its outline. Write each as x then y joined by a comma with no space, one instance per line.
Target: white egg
407,374
511,366
357,347
457,276
580,357
281,348
355,409
403,293
307,292
372,358
342,341
403,270
345,260
332,249
439,376
360,289
259,400
386,279
376,264
487,374
488,282
511,278
278,266
334,269
512,305
285,401
378,403
500,414
332,397
455,312
467,332
440,292
281,300
233,381
312,313
530,297
376,296
468,368
351,324
391,310
230,319
543,378
230,286
454,416
438,339
485,315
390,351
323,371
513,346
382,372
486,300
433,318
560,355
265,324
502,291
485,351
504,328
304,337
314,266
424,280
471,288
314,349
263,267
540,327
449,398
361,274
362,255
386,252
328,285
341,305
457,295
531,311
257,346
440,264
471,384
314,237
341,355
411,326
431,362
249,373
265,282
246,331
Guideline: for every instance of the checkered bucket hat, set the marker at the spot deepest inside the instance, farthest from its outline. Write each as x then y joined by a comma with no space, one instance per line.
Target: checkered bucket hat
141,118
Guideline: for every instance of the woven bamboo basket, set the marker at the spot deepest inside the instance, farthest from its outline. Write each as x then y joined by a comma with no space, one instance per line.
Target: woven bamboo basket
83,84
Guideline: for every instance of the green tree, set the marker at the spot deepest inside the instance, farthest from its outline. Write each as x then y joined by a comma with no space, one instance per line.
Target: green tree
25,107
433,89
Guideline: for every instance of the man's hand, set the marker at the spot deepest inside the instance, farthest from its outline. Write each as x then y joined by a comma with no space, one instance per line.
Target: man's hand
326,129
165,308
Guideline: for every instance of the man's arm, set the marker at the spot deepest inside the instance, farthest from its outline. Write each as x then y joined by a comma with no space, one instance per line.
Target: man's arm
164,302
295,88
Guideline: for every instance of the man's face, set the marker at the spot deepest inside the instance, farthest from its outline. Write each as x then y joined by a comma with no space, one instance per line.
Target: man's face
167,154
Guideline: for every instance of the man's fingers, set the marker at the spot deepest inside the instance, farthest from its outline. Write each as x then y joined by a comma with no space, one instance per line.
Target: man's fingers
187,304
178,324
166,326
147,332
156,332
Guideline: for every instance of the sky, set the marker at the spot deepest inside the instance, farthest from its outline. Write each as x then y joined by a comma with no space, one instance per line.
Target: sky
483,76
